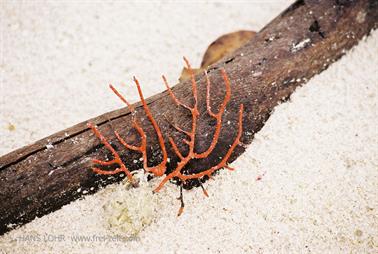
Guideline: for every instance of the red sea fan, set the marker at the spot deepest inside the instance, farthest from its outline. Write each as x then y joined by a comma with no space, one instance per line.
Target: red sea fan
161,168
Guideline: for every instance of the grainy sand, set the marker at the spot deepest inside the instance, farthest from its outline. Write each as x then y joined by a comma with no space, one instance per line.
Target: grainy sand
318,153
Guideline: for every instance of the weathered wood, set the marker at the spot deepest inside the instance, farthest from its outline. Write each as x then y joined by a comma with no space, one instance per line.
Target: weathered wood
299,43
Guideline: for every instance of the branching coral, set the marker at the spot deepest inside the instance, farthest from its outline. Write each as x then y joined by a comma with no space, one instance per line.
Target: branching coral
160,169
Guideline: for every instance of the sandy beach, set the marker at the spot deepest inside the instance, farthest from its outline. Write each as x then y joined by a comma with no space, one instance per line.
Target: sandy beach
308,183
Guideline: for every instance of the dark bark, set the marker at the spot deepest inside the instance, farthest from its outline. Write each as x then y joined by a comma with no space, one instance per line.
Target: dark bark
301,42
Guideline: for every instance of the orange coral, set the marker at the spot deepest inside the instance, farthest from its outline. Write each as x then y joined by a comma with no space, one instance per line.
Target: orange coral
160,169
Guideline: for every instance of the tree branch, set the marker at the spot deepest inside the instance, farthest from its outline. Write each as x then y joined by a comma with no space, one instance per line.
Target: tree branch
301,42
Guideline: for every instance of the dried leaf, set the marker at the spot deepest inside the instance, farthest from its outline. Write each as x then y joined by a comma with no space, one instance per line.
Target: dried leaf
224,45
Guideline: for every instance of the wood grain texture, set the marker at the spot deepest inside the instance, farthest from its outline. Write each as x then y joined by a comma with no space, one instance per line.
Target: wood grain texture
301,42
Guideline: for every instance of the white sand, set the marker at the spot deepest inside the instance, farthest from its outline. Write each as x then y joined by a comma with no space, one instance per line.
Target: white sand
319,152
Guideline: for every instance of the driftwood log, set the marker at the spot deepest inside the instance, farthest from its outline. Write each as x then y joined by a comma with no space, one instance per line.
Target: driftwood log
301,42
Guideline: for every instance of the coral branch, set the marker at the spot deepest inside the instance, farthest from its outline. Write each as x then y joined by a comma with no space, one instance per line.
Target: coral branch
175,148
116,160
178,103
177,172
217,116
181,130
161,168
131,107
204,190
158,170
104,163
223,163
131,147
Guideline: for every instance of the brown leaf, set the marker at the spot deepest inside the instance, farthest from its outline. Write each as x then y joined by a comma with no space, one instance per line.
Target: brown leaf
224,45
